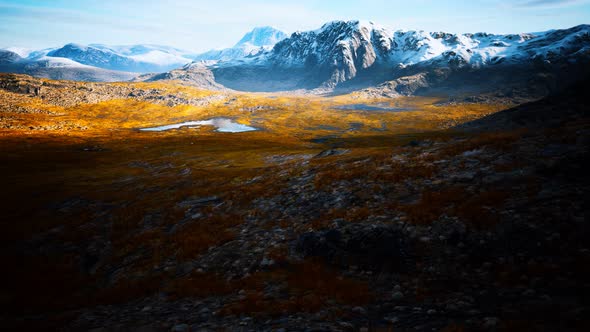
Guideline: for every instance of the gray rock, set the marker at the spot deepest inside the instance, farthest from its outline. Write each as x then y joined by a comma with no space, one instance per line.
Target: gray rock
331,152
397,296
180,328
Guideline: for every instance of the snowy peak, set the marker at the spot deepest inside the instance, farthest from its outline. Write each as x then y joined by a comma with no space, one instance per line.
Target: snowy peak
254,43
339,50
7,57
262,36
133,58
142,58
92,56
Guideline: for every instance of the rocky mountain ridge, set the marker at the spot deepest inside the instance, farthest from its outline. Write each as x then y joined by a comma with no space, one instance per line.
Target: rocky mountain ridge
358,54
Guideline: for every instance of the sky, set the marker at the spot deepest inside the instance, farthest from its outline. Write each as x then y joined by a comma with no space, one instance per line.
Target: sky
202,25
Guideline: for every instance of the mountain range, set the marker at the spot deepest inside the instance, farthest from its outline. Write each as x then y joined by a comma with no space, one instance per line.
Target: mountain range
357,55
99,62
340,56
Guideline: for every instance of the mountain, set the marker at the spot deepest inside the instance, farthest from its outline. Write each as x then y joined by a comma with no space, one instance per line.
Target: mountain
95,62
255,42
342,56
8,57
58,68
262,36
135,58
354,54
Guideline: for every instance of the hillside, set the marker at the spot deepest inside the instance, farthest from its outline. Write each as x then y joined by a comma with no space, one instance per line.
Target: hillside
334,213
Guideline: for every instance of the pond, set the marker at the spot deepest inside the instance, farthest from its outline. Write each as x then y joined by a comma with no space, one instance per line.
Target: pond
223,125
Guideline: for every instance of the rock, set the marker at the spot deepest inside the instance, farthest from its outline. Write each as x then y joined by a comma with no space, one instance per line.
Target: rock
180,328
331,152
490,323
359,310
424,239
266,262
199,201
397,296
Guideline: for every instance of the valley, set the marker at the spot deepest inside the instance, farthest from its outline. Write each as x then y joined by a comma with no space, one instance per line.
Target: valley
346,177
340,212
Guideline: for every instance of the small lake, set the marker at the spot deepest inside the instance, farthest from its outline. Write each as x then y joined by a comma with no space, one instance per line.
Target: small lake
223,125
366,107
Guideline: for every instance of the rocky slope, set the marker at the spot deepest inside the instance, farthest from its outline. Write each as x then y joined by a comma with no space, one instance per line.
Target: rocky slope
193,74
482,228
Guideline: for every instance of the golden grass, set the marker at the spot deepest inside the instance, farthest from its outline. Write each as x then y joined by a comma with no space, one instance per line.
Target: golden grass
283,115
118,175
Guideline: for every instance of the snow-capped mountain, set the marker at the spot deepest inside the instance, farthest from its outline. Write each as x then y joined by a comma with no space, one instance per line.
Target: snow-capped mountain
135,58
94,62
345,52
7,57
59,68
262,36
341,50
254,43
339,55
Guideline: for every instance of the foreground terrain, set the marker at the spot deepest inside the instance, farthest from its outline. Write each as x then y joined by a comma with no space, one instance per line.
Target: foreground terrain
409,215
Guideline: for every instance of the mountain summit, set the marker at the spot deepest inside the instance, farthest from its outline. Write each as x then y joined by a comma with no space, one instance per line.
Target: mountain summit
262,36
255,42
132,58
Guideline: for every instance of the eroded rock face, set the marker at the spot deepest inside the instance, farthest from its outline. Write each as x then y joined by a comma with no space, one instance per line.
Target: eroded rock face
338,50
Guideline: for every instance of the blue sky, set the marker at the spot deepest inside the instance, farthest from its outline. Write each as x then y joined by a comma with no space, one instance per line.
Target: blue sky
202,25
